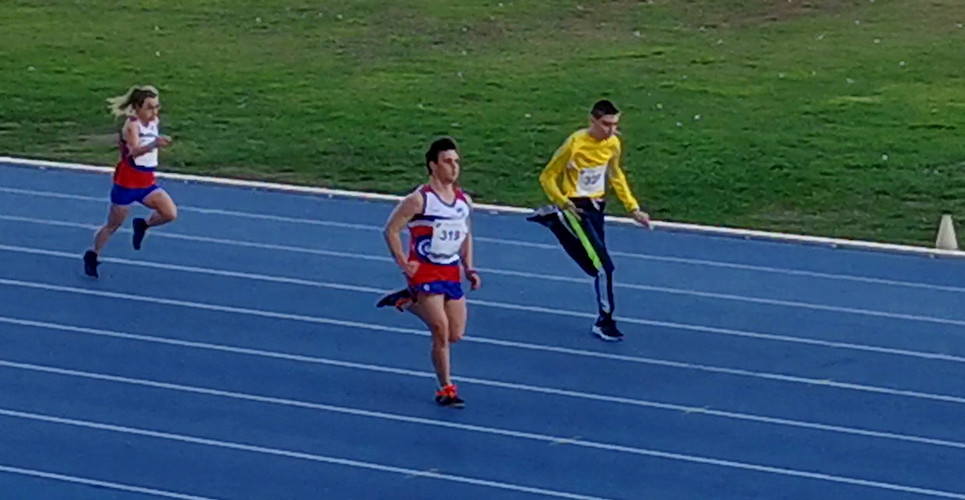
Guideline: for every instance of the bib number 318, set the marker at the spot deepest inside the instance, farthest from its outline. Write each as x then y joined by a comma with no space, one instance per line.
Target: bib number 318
450,235
447,237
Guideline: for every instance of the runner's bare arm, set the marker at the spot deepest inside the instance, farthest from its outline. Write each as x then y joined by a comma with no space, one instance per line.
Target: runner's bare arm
134,141
400,216
466,253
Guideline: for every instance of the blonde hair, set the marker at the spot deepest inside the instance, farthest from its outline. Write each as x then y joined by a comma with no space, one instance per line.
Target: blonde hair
123,105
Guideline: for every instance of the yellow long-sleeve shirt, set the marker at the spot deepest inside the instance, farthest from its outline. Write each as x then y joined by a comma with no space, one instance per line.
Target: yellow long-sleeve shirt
594,161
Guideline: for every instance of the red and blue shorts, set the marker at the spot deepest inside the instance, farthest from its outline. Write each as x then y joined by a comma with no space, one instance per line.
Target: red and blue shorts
125,196
452,290
132,183
436,279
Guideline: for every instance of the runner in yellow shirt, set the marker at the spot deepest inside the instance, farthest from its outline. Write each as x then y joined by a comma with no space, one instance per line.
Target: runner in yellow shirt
575,181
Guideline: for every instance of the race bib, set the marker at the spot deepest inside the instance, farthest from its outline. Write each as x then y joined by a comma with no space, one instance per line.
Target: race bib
447,237
592,181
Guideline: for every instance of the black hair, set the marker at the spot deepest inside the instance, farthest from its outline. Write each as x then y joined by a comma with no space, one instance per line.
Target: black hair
602,108
439,145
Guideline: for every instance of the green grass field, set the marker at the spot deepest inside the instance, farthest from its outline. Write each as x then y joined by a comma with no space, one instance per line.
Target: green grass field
835,118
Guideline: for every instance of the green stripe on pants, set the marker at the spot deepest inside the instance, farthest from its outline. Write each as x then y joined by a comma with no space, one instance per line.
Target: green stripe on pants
577,229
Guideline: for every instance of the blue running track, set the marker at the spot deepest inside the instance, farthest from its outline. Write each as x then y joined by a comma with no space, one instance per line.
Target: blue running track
239,355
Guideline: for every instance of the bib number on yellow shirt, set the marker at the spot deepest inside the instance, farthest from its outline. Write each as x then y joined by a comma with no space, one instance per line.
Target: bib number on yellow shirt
592,181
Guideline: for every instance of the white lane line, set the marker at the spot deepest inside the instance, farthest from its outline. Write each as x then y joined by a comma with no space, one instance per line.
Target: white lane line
299,358
527,244
100,484
502,305
288,454
392,416
581,281
481,482
355,324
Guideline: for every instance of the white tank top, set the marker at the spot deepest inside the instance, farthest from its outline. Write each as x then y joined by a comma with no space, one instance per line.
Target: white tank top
147,134
447,223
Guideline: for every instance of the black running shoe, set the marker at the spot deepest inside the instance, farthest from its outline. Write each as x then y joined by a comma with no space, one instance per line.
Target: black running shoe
449,397
90,263
607,330
140,227
398,300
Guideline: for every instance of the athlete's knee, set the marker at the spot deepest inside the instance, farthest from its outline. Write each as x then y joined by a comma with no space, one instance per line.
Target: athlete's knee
111,227
439,341
439,327
168,213
456,333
